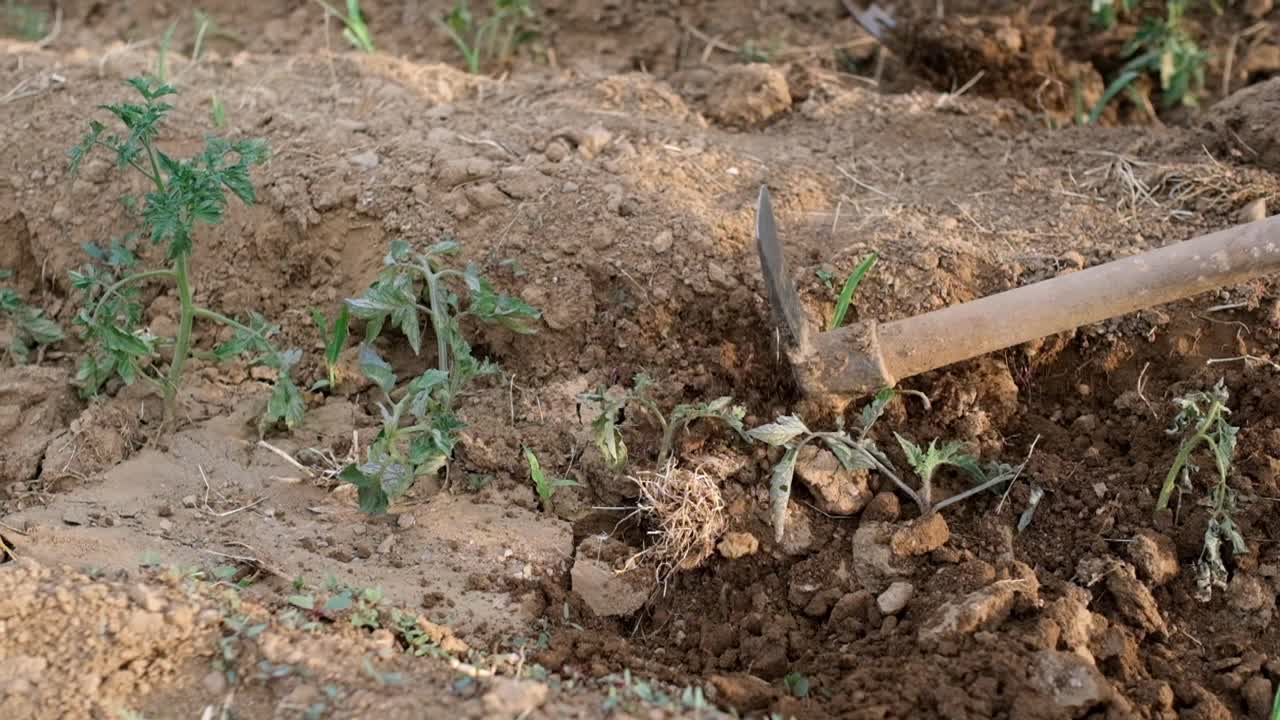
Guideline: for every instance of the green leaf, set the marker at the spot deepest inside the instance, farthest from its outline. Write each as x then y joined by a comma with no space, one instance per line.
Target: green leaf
377,369
119,341
338,603
306,602
369,490
780,491
225,572
850,287
1224,448
778,434
875,409
850,459
797,684
338,335
284,404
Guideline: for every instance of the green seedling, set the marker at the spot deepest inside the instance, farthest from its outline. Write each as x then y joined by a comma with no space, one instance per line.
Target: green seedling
797,684
29,328
355,30
1275,704
851,287
335,340
1202,421
162,53
1105,13
1165,48
419,429
859,452
542,484
184,195
23,21
609,437
494,38
217,112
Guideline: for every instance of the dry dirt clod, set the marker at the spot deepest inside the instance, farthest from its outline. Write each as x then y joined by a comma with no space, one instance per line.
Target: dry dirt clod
1134,600
1258,696
1258,9
893,600
736,545
744,692
921,536
884,507
748,95
838,491
1070,681
1252,597
980,610
509,698
1155,556
606,592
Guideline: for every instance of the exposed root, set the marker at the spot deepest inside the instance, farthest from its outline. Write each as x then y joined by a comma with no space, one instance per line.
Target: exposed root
686,513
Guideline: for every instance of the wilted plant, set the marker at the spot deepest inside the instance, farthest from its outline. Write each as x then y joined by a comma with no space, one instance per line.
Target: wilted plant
859,452
29,327
409,278
494,38
544,485
609,437
1202,420
185,193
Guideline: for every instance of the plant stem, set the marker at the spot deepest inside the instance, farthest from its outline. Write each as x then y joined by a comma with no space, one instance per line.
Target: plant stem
439,316
208,314
113,289
919,501
1184,454
186,317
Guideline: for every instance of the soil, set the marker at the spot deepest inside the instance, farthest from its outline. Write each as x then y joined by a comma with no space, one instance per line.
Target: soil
608,176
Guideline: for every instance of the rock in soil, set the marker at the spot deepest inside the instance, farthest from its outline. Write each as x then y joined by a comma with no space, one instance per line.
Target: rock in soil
510,698
736,545
606,592
893,600
749,95
837,491
1070,681
40,401
1257,696
1251,596
1248,116
1155,556
980,610
874,564
921,536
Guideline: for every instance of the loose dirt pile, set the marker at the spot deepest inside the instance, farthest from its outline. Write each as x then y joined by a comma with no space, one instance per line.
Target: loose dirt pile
615,192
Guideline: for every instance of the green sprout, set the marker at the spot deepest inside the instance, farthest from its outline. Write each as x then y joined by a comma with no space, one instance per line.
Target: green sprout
184,195
542,484
609,437
496,37
401,453
851,287
335,339
1165,48
859,452
29,328
355,30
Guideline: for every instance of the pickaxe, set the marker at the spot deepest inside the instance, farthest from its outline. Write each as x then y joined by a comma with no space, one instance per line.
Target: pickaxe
863,357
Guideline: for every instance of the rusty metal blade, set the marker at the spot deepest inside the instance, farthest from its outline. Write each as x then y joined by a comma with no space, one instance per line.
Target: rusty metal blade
783,299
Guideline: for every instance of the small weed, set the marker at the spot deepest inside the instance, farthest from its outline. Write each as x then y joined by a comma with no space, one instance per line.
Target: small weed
400,454
542,484
754,52
859,452
826,278
1105,13
1202,420
509,26
609,436
335,340
29,328
24,22
851,287
186,194
797,684
217,112
1163,47
355,30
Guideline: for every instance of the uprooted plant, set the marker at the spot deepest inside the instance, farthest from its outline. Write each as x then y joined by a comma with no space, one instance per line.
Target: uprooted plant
402,452
29,328
184,194
859,452
1202,421
609,436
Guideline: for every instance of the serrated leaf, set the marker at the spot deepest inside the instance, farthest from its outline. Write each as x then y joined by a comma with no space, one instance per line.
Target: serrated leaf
1224,448
874,409
368,490
377,369
780,491
781,432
